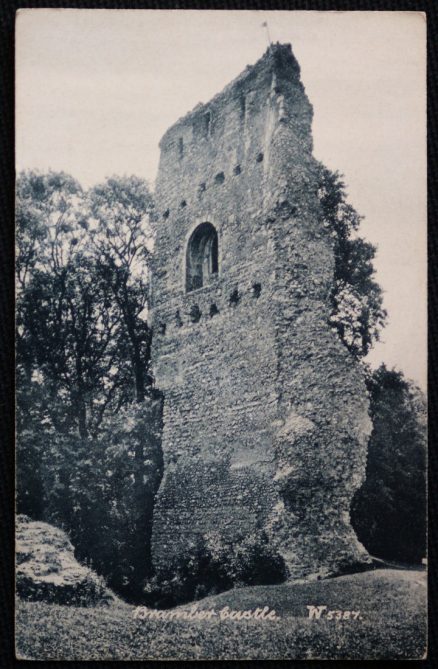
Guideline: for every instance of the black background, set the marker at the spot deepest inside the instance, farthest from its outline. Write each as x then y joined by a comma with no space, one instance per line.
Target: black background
7,17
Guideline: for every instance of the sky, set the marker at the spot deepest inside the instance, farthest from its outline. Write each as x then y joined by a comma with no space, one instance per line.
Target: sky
96,90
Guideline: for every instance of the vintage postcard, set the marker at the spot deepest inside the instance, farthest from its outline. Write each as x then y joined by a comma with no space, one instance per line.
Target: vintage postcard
221,335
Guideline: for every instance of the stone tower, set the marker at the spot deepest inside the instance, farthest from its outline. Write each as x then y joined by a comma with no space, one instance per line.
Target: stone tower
265,411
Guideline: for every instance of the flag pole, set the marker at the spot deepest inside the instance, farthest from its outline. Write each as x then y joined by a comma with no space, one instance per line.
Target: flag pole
265,25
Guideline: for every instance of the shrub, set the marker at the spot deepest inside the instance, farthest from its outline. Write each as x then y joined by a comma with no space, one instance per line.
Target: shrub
212,565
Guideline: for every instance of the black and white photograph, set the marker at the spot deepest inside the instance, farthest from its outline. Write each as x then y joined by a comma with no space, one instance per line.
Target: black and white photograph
221,335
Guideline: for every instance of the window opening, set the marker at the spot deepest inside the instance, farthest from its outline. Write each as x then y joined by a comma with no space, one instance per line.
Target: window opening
207,124
234,297
202,261
213,310
242,106
256,289
195,313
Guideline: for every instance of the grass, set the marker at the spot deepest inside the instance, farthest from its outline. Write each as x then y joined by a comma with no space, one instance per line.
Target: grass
392,625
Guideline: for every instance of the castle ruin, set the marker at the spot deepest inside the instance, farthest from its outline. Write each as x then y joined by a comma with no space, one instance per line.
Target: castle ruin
265,410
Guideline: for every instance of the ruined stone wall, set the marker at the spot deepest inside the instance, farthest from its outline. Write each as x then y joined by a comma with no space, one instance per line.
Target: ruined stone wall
265,412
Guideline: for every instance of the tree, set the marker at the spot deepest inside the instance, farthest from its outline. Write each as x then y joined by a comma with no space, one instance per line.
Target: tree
389,510
83,349
47,205
82,291
121,235
357,302
47,209
68,327
120,210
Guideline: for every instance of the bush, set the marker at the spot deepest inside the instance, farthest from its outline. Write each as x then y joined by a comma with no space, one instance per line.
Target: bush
212,565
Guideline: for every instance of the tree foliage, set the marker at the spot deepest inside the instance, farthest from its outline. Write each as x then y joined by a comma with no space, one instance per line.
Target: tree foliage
357,314
83,349
389,511
122,240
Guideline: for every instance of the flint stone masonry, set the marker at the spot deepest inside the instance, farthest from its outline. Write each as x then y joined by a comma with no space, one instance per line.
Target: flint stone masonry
46,569
265,413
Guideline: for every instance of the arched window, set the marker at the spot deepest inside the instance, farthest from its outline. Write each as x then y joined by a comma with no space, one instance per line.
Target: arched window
202,257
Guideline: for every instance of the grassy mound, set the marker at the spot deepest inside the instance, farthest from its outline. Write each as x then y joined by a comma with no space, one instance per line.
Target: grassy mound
391,624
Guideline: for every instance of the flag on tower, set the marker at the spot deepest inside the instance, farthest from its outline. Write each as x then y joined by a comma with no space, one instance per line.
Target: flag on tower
265,25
